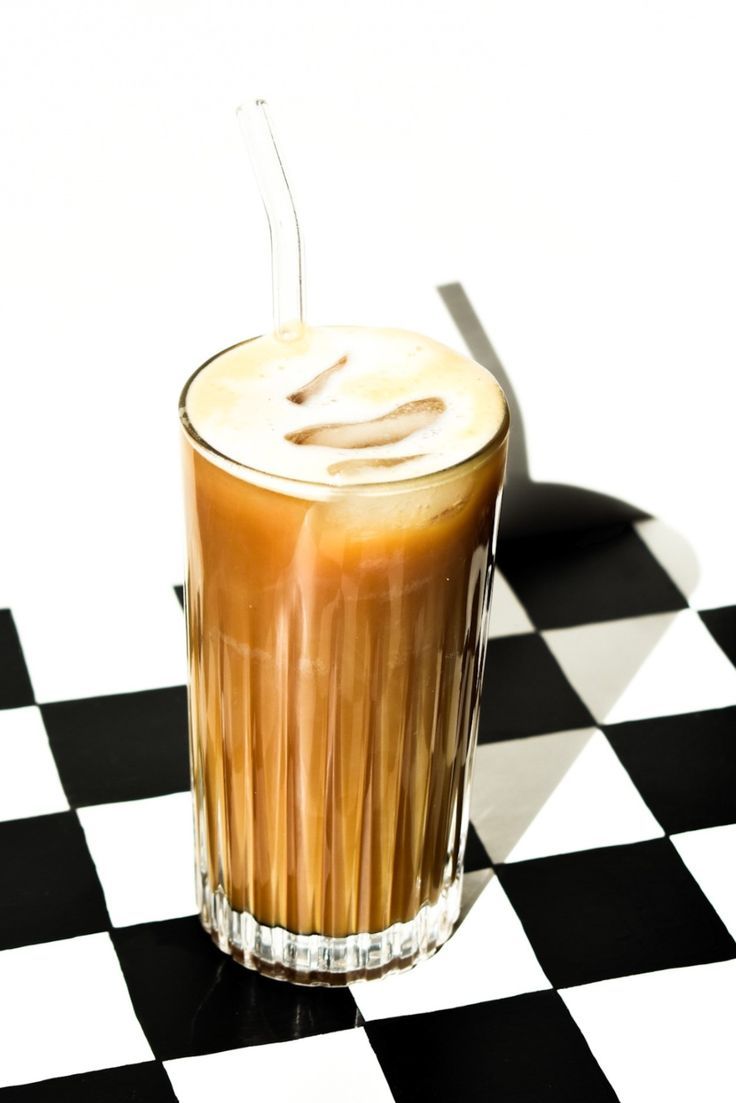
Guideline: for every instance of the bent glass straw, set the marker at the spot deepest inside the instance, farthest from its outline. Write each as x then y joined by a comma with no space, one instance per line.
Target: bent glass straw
287,260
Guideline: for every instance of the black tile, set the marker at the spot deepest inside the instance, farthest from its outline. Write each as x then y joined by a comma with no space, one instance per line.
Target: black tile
525,1049
587,575
476,856
124,747
526,693
190,998
721,623
147,1083
179,591
683,766
48,883
15,685
615,911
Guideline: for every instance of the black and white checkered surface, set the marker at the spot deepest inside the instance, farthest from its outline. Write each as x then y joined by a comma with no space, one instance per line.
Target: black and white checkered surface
595,959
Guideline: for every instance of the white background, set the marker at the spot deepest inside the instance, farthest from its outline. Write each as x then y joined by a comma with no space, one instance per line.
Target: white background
572,163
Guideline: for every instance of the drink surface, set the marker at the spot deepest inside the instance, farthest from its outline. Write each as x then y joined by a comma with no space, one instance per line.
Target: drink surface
345,405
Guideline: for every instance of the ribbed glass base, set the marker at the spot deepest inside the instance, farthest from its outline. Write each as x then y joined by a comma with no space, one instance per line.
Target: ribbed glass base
323,960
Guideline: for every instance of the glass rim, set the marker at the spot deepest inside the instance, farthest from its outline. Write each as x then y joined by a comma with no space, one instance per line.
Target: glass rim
225,462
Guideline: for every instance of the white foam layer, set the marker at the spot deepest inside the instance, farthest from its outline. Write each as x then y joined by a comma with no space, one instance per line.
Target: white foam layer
268,402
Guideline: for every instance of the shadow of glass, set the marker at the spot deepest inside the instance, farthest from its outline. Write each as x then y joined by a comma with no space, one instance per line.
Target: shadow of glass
514,787
531,778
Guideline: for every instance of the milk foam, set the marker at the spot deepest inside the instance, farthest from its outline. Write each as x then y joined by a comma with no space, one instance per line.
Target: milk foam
410,405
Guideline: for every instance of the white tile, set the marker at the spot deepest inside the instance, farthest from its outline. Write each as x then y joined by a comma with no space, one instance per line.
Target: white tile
99,640
29,780
326,1068
551,794
65,1008
701,565
639,667
144,856
710,855
508,617
663,1036
487,958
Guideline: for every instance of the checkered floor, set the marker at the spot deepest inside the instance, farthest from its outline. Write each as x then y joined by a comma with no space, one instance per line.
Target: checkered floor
595,959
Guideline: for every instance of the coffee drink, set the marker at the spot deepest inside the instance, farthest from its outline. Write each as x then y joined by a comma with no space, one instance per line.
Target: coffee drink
342,495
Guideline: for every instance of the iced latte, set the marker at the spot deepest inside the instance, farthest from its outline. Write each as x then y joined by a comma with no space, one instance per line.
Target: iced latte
342,494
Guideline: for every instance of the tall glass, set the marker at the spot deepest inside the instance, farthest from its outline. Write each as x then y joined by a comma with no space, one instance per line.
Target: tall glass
336,639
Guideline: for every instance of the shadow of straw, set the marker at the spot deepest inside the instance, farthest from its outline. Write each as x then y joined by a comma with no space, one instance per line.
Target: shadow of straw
530,508
553,513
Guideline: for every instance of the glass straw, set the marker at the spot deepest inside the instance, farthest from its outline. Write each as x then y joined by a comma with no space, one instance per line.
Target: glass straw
287,261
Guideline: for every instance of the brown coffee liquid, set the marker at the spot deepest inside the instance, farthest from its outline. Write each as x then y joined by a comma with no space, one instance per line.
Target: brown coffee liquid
336,651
